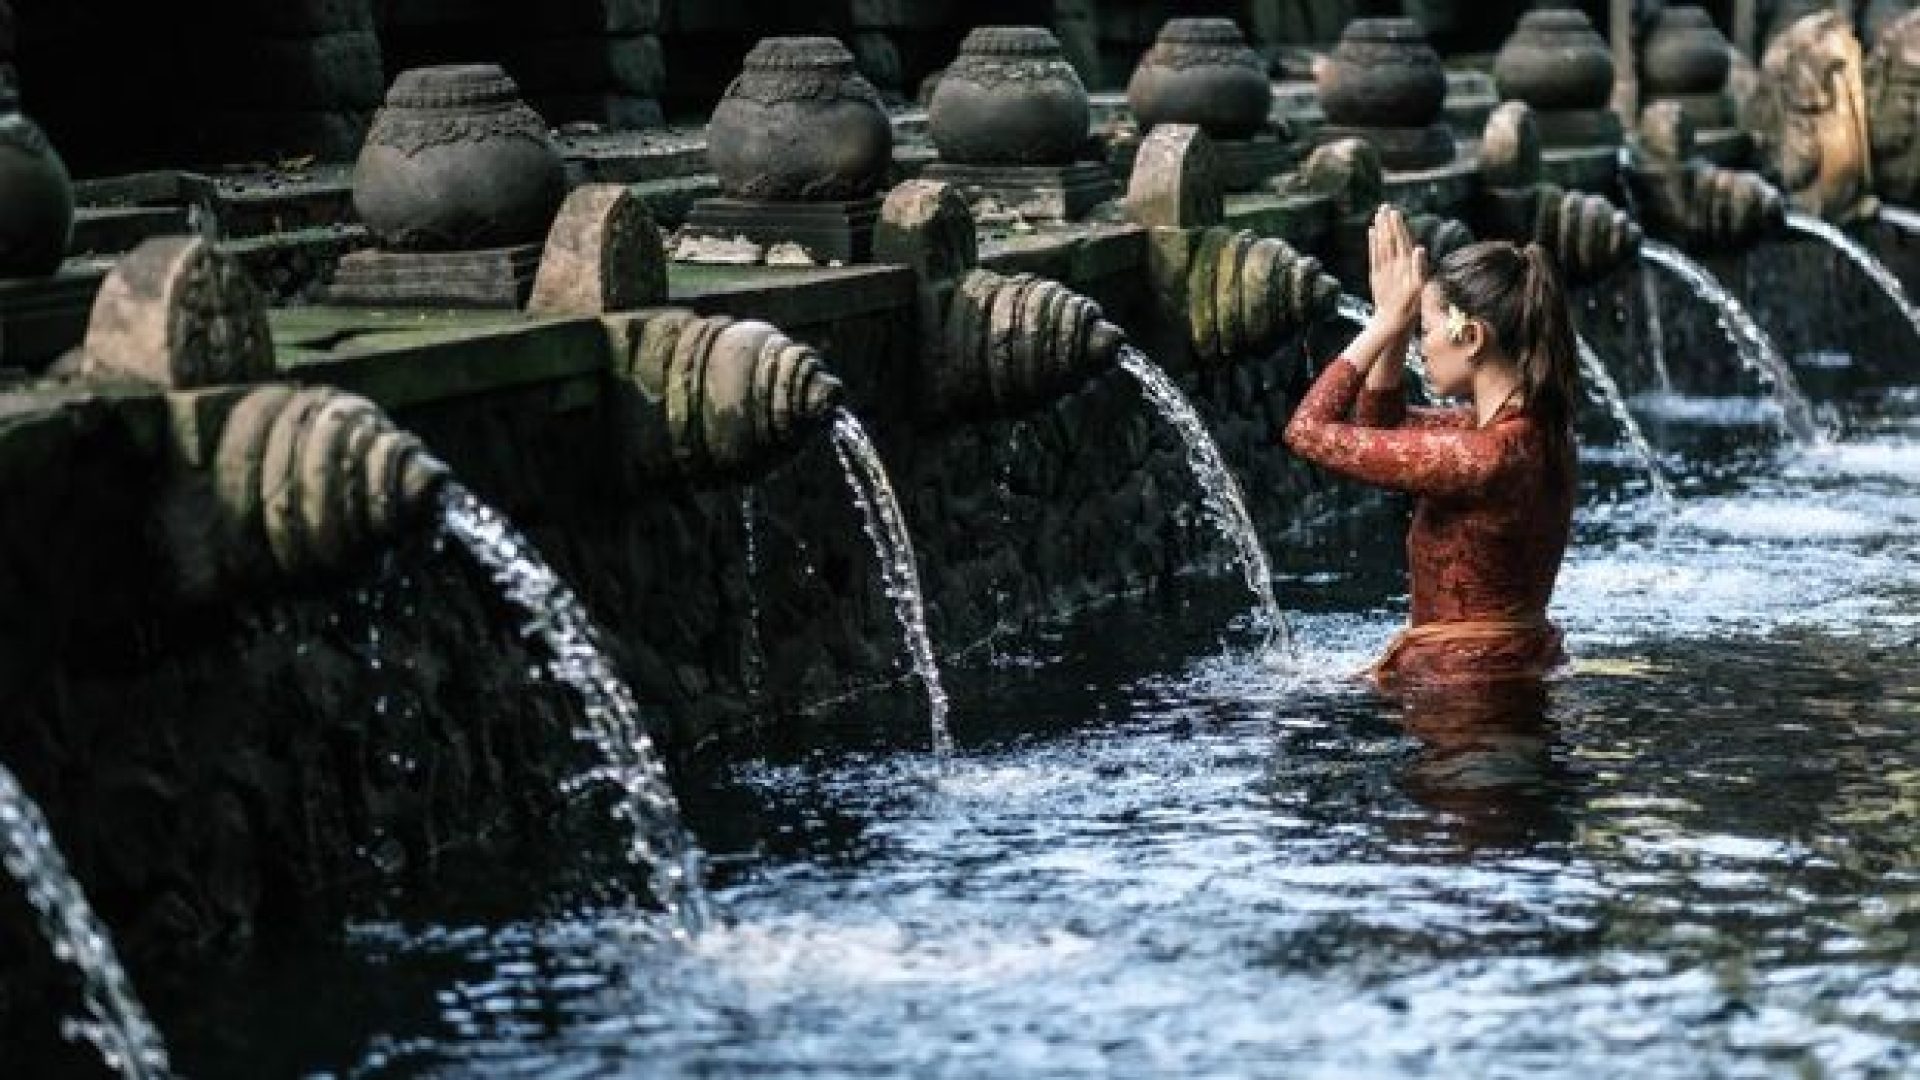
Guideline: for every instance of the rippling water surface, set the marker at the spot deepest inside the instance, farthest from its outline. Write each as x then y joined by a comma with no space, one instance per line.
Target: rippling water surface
1158,853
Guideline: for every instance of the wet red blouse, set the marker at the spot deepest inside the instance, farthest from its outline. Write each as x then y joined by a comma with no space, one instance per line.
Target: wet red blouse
1494,509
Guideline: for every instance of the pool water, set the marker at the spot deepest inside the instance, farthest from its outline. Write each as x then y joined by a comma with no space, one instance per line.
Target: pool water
1160,853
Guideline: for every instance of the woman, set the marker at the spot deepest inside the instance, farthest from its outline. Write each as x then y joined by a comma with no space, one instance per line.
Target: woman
1495,480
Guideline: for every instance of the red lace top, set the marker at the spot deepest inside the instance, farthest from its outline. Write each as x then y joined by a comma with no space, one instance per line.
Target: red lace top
1491,523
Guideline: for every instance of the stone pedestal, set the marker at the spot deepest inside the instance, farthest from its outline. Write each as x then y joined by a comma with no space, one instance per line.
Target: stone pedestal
489,278
1401,149
1052,192
831,232
40,318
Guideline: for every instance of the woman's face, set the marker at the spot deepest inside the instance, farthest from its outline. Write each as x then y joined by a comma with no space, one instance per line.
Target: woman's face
1449,363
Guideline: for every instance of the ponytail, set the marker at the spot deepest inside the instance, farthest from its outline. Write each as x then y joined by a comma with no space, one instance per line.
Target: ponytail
1517,292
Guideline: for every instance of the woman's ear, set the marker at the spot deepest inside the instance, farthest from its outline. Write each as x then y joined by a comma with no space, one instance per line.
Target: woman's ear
1473,337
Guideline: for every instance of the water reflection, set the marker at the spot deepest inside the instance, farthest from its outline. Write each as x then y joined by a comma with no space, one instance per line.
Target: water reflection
1485,763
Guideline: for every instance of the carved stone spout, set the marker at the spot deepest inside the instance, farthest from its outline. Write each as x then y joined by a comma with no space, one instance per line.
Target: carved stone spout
1236,294
1691,203
1587,236
1810,110
722,400
991,345
314,476
1012,344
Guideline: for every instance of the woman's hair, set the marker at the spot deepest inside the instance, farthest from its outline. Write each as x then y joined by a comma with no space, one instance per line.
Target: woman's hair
1516,291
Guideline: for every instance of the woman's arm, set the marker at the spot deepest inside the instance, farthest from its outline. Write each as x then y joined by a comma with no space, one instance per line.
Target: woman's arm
1447,462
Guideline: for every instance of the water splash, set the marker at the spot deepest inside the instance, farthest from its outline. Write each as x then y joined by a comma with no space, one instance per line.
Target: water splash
1755,348
1860,257
115,1023
1598,377
893,547
1220,492
658,840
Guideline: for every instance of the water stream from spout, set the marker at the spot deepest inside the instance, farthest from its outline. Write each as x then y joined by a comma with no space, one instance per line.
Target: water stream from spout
115,1023
1653,334
893,547
1900,218
1860,257
756,660
646,803
1599,378
1220,492
1755,348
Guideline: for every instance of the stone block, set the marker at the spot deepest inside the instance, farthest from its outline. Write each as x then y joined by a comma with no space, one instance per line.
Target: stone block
618,112
633,64
1044,192
40,318
839,232
500,278
331,71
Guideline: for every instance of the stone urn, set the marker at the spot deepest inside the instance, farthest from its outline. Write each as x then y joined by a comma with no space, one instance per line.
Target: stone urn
455,161
1383,74
36,214
799,125
1009,98
1555,59
1202,72
1685,55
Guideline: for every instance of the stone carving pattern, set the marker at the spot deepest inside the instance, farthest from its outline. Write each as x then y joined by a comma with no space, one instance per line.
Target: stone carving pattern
411,134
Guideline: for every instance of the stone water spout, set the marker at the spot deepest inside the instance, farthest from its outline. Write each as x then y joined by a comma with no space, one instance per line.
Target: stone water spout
1809,112
717,399
1350,173
1686,201
1587,235
1229,292
992,345
268,480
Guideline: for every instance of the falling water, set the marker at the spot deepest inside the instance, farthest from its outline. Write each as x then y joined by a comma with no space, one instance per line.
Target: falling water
887,528
628,762
1220,492
1861,258
1601,379
1900,218
1755,349
116,1024
1654,335
756,660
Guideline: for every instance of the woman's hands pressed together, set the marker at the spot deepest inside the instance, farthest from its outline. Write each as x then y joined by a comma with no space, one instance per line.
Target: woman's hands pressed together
1396,273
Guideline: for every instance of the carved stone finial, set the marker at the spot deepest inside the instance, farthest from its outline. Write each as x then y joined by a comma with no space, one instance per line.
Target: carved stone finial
455,161
36,195
1202,71
1385,83
603,254
178,313
1349,172
1666,132
1176,180
925,224
1510,147
1009,98
799,125
1811,110
1893,104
